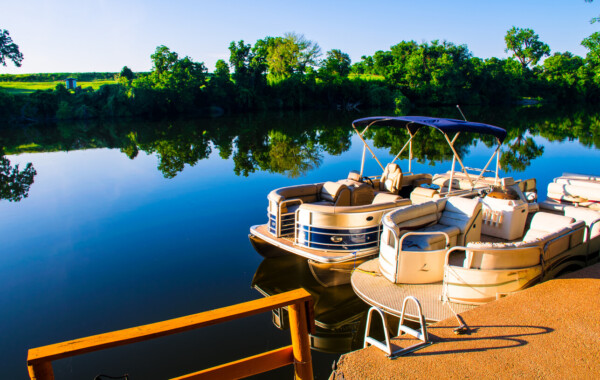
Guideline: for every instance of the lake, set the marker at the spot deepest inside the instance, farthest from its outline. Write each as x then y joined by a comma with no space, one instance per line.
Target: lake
129,223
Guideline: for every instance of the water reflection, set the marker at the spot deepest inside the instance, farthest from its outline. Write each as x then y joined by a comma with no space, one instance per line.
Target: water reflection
294,144
14,183
339,314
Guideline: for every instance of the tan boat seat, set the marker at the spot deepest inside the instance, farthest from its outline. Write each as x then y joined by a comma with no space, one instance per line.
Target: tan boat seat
386,198
335,194
460,220
544,223
360,193
423,194
391,179
432,241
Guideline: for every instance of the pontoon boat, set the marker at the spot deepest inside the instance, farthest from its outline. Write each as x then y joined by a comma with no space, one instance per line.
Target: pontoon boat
576,189
474,250
336,222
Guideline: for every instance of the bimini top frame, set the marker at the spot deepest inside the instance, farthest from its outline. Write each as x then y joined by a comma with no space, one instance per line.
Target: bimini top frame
447,126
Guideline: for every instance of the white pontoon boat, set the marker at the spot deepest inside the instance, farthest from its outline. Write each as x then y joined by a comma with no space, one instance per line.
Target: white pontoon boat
575,189
336,222
474,250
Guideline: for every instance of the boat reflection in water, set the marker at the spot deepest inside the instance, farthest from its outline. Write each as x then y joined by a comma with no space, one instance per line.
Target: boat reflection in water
340,316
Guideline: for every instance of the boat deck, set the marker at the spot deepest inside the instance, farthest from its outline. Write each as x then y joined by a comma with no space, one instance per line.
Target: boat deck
376,290
321,256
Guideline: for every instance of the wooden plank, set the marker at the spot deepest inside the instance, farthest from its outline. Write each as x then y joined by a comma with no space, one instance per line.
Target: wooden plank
41,371
250,366
173,326
299,331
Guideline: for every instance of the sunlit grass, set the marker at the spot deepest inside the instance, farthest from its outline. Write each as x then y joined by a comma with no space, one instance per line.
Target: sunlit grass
28,87
368,77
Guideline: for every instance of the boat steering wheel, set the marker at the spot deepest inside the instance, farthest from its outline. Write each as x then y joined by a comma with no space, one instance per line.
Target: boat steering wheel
367,180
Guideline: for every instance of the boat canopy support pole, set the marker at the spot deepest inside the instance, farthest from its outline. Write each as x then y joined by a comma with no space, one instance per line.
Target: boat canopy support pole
496,152
362,162
464,170
409,144
497,181
360,135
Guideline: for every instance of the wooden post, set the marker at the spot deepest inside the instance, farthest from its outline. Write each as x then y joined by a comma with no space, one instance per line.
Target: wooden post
300,341
41,371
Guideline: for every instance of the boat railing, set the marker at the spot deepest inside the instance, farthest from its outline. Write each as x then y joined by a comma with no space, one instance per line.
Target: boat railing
282,224
568,233
300,311
543,247
469,258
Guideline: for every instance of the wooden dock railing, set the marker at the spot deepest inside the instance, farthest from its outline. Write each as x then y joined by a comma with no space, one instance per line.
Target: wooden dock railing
39,360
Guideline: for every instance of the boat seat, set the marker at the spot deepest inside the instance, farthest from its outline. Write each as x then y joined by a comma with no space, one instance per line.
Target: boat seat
423,194
386,198
433,241
574,191
354,175
334,194
360,193
391,179
544,223
413,217
460,220
554,229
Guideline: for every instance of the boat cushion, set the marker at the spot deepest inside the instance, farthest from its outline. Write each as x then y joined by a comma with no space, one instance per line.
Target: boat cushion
544,223
412,217
354,175
336,193
465,214
391,179
590,217
306,192
576,192
360,193
423,194
459,212
433,241
386,197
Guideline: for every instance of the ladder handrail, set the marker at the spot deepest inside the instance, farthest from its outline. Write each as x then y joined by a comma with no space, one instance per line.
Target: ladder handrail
386,345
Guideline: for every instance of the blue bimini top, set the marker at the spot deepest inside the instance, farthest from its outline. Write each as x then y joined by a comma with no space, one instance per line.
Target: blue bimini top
414,123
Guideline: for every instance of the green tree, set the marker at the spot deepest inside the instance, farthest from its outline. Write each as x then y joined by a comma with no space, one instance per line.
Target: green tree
179,81
8,49
592,43
126,73
239,59
526,46
291,54
336,63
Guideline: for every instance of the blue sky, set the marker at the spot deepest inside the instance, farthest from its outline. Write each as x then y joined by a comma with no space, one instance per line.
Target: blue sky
94,35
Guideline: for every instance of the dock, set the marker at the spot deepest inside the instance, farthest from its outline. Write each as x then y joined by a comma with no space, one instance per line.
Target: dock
551,330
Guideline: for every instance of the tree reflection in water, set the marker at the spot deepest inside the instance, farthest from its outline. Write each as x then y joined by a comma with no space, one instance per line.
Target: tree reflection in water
14,183
293,144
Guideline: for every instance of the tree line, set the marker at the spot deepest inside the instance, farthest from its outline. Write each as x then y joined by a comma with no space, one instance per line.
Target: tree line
290,73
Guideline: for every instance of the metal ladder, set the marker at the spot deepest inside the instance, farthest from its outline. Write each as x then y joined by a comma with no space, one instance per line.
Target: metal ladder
386,346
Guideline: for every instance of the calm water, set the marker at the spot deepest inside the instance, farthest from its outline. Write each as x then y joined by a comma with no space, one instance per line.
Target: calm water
134,223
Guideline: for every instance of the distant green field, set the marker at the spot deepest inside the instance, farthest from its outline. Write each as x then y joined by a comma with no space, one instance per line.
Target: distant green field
28,87
367,77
